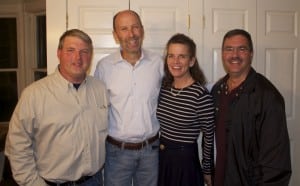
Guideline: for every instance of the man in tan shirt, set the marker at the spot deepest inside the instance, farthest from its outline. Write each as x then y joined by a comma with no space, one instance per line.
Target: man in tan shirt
57,132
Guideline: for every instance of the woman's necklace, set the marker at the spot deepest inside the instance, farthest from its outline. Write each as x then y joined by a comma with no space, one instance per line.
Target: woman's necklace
181,83
176,92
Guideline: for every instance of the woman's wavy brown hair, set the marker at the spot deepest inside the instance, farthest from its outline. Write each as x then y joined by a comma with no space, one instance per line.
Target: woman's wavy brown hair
195,70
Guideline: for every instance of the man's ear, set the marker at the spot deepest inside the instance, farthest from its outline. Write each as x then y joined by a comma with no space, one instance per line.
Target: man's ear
58,52
116,37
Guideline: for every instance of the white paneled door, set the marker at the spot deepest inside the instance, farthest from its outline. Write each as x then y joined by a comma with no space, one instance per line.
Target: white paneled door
95,18
161,19
278,57
221,16
275,29
273,24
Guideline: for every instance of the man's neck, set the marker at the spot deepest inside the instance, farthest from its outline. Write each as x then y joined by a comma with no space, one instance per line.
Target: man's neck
131,58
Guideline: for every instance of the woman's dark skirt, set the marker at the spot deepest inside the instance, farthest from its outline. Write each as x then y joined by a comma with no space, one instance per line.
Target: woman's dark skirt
179,164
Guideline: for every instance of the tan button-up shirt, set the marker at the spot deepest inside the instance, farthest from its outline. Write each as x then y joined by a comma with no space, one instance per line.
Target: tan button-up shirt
57,132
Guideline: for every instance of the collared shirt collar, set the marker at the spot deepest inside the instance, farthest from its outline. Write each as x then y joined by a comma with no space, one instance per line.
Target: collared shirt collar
245,86
120,59
64,82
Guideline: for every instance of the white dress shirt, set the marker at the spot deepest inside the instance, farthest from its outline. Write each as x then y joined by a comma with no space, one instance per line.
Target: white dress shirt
133,94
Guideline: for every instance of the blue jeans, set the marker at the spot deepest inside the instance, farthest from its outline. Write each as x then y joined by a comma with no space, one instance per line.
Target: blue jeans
131,167
96,180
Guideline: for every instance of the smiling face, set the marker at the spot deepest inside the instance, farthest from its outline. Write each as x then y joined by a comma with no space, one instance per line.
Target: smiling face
75,57
129,32
237,56
179,61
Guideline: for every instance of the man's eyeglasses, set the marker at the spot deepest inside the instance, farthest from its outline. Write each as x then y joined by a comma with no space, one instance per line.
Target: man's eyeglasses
240,49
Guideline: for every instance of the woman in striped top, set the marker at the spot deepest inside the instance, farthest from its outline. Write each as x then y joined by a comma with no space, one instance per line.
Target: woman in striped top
185,109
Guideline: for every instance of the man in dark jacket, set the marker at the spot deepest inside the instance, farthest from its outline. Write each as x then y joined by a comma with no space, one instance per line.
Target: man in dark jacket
252,140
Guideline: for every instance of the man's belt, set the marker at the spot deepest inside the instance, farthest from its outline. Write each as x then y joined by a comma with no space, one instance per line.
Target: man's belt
69,183
131,146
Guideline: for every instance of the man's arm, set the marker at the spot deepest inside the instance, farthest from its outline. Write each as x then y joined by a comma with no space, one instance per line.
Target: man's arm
274,163
19,145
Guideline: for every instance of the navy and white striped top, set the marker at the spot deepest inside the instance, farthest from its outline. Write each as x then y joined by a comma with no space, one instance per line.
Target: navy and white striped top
184,113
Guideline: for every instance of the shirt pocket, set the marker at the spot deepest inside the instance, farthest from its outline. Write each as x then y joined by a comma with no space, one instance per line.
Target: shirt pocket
102,117
97,117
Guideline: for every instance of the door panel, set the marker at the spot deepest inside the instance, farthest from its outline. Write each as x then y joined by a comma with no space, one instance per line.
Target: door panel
95,17
221,16
278,45
161,20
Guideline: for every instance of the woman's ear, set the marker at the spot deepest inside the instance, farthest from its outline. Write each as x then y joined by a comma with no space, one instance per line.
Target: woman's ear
192,62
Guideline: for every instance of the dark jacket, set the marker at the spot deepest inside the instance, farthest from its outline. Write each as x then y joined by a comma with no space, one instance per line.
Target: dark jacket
258,151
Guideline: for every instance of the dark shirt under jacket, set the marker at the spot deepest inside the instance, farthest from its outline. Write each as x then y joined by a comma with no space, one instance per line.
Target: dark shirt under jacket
257,141
222,122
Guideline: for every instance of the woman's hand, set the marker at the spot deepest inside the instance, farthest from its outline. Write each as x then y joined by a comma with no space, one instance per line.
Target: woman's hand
207,179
